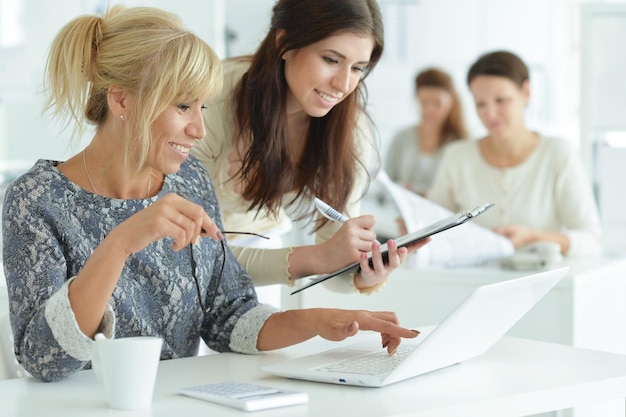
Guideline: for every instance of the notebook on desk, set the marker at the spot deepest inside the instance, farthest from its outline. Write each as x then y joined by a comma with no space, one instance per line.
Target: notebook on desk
470,330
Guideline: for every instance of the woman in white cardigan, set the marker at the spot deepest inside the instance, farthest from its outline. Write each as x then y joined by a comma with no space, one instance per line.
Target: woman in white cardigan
540,189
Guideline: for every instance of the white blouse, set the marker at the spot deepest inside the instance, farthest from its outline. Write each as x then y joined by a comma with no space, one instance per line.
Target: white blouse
266,266
408,165
548,191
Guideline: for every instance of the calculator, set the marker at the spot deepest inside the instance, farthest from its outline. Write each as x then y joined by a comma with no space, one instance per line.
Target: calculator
248,397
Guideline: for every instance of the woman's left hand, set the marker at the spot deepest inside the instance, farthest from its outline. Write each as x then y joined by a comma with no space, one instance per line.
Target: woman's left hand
379,271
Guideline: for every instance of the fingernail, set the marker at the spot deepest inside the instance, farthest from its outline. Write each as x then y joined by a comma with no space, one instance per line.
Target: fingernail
220,236
363,255
197,242
391,244
375,245
393,352
415,331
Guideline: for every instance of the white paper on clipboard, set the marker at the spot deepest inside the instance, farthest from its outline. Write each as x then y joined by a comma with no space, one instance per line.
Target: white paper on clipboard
470,245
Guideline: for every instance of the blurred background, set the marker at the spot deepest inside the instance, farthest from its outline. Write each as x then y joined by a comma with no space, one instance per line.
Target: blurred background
574,49
575,52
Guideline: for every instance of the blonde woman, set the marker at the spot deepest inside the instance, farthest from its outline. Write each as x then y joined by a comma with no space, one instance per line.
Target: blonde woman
125,237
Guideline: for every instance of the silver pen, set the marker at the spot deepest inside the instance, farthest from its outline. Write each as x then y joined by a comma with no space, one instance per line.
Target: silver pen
329,212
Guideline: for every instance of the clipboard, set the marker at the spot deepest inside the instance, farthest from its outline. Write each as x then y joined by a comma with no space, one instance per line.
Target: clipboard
434,228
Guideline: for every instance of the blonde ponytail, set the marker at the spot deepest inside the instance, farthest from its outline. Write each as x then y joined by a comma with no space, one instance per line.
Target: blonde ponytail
144,51
69,67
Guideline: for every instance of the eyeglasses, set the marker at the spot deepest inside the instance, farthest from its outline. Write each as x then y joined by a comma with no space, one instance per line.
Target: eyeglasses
207,308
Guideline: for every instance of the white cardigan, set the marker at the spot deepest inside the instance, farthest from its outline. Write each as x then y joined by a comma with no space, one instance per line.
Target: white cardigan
266,266
549,191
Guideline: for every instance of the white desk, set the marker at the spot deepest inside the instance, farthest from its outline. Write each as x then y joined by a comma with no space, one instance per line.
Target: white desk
587,309
516,377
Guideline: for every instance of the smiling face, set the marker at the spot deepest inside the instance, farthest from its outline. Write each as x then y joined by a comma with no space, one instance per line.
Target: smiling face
174,132
500,104
324,73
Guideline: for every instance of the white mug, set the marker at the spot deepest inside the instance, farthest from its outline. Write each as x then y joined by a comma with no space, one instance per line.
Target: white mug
127,367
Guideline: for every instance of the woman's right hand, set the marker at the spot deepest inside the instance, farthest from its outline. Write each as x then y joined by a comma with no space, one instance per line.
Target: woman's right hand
287,328
171,216
355,237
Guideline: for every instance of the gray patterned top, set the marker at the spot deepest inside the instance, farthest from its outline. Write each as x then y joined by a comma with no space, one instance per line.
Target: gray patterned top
50,228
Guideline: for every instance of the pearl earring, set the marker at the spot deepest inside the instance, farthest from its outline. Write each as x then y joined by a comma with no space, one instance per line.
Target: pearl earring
121,117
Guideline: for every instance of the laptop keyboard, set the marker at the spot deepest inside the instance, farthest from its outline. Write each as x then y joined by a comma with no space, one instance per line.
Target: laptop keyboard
372,364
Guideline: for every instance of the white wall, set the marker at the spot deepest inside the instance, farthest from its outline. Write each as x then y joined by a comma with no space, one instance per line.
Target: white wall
542,32
248,21
603,110
419,33
28,27
452,34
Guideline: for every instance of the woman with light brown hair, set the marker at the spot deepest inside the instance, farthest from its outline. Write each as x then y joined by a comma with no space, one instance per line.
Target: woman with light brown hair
541,192
414,153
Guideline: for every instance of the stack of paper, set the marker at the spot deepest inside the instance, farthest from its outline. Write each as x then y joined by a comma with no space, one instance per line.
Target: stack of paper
465,245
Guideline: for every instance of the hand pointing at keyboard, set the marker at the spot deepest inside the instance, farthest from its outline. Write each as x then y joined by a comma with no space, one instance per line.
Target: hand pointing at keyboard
334,325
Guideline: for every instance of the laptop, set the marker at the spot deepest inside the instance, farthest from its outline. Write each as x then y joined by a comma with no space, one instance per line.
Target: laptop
469,331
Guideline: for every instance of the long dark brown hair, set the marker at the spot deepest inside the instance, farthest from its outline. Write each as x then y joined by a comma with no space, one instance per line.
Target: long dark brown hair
328,164
454,125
